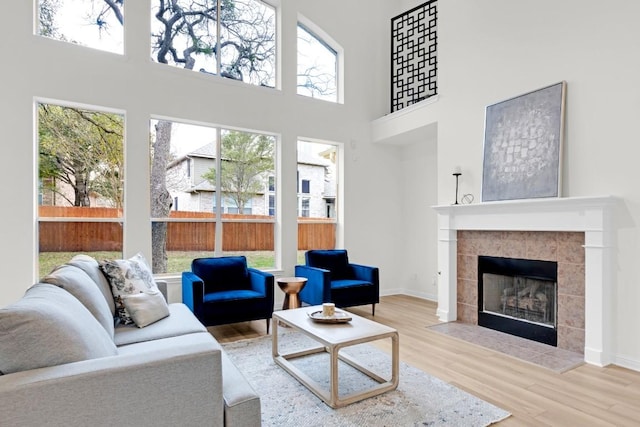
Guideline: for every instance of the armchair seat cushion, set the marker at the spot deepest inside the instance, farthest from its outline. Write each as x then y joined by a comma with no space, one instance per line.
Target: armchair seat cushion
348,283
242,294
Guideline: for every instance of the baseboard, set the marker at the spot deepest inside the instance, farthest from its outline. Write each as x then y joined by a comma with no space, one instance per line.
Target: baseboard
627,362
421,295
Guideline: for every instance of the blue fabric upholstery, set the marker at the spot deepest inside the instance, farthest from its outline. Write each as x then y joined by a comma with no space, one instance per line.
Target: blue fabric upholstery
225,273
336,261
224,290
349,285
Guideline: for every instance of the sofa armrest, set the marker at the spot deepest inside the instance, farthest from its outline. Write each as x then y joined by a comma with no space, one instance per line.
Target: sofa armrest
318,287
162,287
192,291
174,385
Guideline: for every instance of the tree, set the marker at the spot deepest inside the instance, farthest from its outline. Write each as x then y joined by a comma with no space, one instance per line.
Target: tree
83,149
160,196
246,158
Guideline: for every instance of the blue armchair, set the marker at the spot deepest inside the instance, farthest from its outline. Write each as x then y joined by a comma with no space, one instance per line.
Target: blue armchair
224,290
331,278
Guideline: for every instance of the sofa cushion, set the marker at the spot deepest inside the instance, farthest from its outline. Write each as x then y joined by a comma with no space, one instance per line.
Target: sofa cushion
335,260
49,327
127,277
90,266
180,322
146,308
80,285
222,273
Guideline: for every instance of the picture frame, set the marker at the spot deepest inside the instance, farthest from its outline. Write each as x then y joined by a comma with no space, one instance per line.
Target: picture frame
523,142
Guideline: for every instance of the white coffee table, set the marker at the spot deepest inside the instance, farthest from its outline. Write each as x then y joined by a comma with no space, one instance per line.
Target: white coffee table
332,338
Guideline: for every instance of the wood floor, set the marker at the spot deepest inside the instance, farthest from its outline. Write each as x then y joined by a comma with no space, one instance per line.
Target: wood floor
584,396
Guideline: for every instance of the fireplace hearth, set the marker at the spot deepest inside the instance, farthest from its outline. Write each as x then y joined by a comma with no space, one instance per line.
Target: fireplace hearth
518,297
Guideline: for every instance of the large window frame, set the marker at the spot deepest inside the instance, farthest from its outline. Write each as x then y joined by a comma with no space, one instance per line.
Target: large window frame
106,226
225,217
222,47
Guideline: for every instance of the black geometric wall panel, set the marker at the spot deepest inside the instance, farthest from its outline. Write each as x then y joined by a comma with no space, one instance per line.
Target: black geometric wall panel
414,63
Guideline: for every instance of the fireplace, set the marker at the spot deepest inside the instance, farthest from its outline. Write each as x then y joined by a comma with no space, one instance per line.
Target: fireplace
546,226
519,297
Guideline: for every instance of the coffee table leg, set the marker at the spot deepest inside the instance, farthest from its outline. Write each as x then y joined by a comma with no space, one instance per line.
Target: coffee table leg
333,351
274,337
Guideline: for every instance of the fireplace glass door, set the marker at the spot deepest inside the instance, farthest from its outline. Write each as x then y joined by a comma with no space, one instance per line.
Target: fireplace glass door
521,298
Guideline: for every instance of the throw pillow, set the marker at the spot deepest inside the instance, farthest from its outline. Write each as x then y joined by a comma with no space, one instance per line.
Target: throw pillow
49,327
80,285
128,277
146,308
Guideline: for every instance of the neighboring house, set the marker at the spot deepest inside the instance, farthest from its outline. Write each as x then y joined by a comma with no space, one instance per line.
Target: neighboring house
191,192
316,185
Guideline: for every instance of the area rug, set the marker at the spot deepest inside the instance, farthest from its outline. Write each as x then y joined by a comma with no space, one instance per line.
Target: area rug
544,355
419,400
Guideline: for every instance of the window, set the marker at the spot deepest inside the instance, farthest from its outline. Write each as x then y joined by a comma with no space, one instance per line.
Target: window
241,45
305,186
223,203
317,194
317,66
80,169
96,24
304,207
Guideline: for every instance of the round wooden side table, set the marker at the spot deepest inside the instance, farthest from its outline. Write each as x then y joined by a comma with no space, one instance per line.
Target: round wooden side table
291,286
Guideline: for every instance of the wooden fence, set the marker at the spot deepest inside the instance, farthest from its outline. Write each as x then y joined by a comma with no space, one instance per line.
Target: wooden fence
239,232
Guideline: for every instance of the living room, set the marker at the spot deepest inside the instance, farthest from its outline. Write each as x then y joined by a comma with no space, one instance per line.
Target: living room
487,52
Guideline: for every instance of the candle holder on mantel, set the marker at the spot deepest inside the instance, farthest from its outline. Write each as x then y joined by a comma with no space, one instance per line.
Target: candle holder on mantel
457,174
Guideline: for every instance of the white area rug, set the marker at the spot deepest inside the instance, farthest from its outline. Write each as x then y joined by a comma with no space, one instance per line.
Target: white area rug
419,400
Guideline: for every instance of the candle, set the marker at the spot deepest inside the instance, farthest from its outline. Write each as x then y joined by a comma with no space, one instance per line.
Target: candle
328,309
457,170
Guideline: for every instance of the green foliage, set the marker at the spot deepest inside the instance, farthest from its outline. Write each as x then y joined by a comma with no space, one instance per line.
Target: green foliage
82,149
247,159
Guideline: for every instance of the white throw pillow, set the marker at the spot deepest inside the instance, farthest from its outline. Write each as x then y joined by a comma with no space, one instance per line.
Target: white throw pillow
146,308
128,277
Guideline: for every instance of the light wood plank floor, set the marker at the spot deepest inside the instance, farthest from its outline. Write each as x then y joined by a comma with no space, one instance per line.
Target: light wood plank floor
585,396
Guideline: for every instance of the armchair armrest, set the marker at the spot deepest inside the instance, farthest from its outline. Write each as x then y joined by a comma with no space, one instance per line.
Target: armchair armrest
318,287
192,291
262,282
365,272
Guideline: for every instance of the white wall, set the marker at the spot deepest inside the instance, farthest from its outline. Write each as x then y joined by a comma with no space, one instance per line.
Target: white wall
41,68
496,49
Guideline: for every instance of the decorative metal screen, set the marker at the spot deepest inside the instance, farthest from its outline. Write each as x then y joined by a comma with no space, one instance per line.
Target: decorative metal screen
414,62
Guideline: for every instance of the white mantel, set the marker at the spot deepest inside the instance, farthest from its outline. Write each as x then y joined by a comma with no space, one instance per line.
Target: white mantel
591,215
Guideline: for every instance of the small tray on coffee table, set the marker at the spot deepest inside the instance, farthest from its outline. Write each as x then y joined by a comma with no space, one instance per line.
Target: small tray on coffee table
338,317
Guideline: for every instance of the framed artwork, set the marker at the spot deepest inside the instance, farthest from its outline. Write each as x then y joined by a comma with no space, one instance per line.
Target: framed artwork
523,140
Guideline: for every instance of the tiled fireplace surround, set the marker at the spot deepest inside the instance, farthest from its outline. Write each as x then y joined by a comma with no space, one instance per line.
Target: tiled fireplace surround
574,232
565,248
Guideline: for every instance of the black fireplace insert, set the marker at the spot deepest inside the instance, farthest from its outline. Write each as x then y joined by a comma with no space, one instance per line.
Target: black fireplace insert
519,297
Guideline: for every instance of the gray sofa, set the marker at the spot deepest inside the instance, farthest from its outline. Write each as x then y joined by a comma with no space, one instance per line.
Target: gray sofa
64,363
